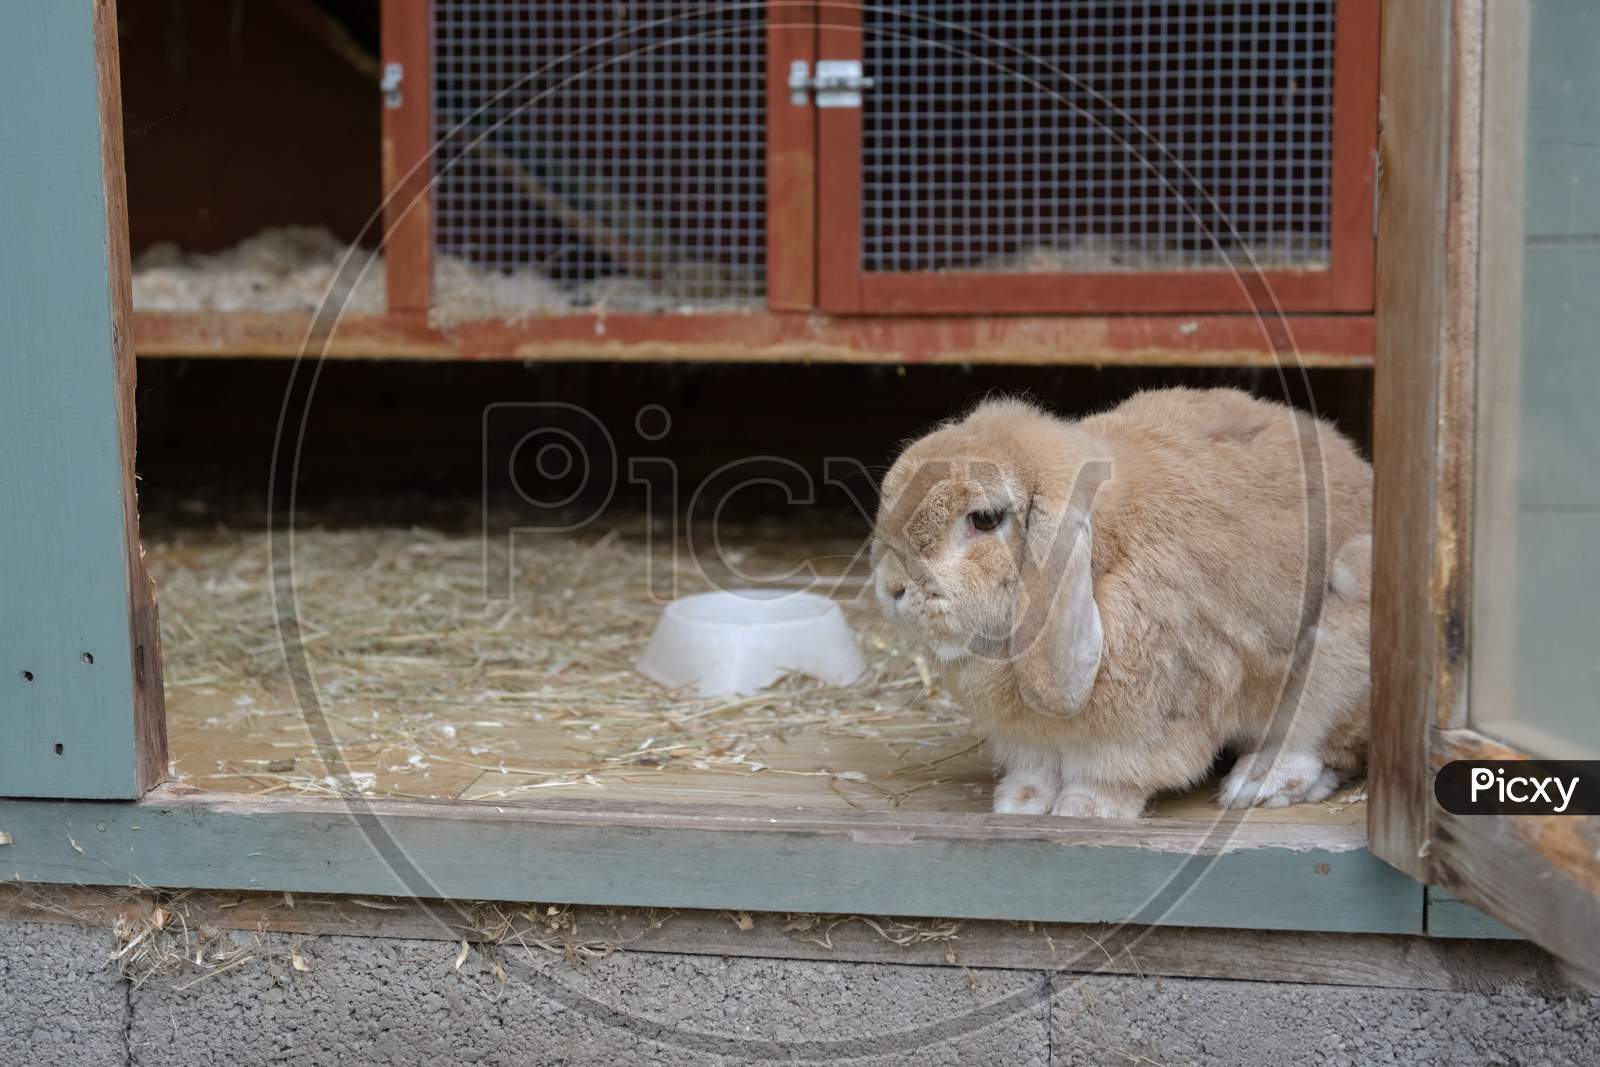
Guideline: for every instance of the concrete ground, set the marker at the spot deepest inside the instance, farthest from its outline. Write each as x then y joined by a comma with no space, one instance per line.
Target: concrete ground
338,1000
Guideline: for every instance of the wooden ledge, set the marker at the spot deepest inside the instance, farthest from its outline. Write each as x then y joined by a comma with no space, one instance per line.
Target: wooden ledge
1257,874
781,337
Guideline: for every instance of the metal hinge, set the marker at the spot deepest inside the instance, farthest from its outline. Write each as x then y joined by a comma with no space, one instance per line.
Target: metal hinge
839,82
393,74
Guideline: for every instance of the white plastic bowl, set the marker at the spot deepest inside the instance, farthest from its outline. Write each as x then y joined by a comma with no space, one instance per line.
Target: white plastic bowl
715,644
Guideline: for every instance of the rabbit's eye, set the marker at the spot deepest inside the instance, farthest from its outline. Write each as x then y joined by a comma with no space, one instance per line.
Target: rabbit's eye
985,521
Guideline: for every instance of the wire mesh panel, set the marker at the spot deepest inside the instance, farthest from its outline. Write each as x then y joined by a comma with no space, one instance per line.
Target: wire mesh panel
1144,135
598,156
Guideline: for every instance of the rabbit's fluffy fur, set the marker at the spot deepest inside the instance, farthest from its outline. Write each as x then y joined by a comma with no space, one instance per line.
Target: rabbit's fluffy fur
1137,606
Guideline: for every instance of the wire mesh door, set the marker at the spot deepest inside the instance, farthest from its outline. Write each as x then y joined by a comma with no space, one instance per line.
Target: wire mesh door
591,158
1119,156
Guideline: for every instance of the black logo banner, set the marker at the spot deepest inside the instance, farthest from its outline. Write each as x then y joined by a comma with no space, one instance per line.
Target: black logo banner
1519,787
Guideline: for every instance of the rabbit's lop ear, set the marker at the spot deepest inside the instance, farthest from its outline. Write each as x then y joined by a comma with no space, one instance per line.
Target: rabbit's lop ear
1056,636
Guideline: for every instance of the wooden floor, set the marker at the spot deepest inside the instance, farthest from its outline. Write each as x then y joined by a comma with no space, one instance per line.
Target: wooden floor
218,750
429,689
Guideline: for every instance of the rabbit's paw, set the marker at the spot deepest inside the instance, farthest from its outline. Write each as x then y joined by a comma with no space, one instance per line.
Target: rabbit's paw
1291,778
1024,793
1084,802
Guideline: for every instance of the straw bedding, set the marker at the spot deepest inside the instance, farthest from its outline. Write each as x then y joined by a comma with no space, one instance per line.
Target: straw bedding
433,682
291,268
431,688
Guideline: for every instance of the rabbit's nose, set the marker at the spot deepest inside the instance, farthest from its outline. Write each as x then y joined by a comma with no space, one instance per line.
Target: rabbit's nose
898,591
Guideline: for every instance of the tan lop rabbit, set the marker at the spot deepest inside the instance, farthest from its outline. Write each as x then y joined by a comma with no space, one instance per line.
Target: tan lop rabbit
1118,599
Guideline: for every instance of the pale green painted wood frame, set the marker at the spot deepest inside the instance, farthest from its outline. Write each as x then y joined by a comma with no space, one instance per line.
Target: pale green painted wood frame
80,679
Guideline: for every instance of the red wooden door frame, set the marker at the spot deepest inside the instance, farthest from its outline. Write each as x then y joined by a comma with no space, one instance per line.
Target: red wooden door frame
408,158
791,161
409,162
814,172
843,286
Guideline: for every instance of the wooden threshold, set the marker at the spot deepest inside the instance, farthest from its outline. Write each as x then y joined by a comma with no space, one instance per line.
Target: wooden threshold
1238,872
761,336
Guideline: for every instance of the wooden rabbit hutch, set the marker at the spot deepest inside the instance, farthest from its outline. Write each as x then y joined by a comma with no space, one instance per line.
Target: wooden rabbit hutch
1038,184
1161,184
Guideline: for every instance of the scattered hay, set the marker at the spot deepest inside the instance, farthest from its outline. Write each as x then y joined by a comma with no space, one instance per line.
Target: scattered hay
190,937
183,937
818,929
430,688
549,929
152,931
1356,794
